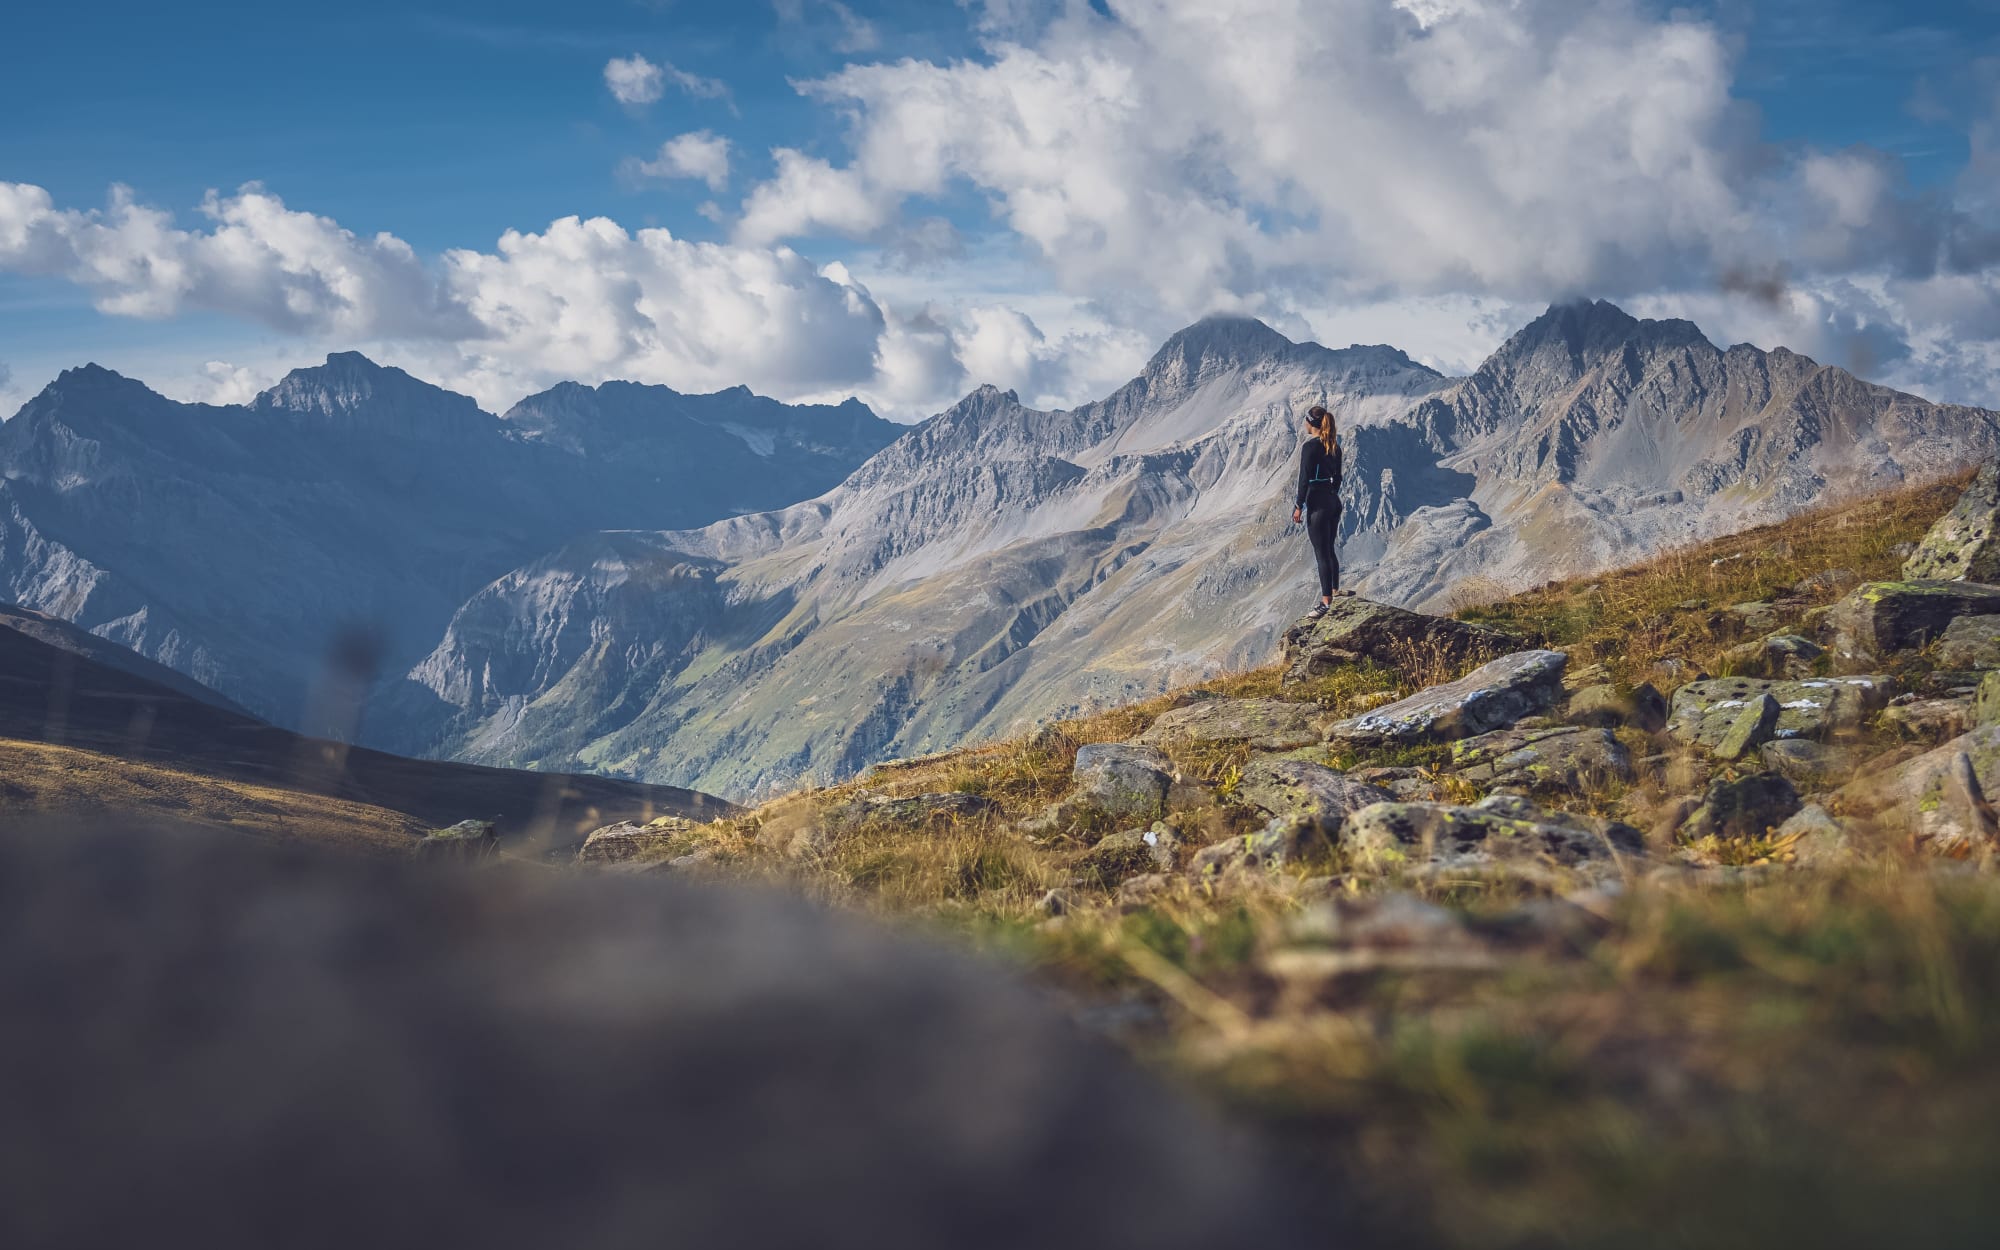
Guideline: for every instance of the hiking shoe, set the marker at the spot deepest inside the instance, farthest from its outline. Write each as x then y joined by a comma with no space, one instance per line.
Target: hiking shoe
1319,610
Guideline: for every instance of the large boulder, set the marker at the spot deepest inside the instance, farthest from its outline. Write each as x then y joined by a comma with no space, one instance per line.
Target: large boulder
1306,791
1747,807
628,840
1881,618
467,842
1265,724
1940,796
1361,629
1970,642
1500,831
1123,778
1492,696
1964,545
1704,712
1561,756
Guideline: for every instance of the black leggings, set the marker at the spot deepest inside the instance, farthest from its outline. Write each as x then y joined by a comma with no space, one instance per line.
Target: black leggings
1323,527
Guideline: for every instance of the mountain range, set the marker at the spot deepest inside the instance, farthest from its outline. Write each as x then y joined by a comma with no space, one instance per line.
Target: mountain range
725,593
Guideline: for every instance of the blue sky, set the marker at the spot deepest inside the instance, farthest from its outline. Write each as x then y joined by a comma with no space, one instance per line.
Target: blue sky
447,124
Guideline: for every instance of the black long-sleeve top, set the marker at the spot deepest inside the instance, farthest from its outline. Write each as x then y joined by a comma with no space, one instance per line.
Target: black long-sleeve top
1319,476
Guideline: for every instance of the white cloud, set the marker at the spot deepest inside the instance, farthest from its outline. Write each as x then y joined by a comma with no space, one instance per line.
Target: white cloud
221,382
634,80
853,33
808,196
703,155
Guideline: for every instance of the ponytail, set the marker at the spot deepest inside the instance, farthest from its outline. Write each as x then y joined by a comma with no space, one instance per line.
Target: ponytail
1323,422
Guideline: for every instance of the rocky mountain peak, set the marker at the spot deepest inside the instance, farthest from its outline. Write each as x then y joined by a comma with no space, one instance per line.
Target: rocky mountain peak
1224,339
349,383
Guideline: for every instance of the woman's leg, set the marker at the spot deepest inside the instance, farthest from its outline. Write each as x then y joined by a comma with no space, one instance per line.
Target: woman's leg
1321,526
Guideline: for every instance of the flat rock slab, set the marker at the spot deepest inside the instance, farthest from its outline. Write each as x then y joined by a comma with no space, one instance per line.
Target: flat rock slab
1265,724
1123,778
1704,712
1970,642
1564,756
1965,542
629,840
1881,618
1492,696
1361,629
1497,831
1306,791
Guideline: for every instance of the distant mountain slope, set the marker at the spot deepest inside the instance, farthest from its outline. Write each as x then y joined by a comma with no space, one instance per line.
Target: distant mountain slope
334,524
106,711
998,565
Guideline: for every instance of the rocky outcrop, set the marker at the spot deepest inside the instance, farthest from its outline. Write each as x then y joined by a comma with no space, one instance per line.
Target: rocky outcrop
1265,724
1964,545
1358,629
1304,791
1497,832
1881,618
1942,796
467,842
1970,642
1555,757
1704,712
629,841
1492,696
1123,779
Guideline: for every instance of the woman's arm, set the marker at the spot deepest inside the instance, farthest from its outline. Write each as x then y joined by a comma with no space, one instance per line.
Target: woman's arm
1305,473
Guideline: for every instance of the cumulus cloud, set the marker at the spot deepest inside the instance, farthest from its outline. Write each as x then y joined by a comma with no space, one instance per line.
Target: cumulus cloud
634,80
702,155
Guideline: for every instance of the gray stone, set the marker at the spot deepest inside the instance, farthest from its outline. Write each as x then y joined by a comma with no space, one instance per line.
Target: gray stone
1929,720
1282,841
1807,764
1123,779
1564,756
1120,855
1755,725
1265,724
1608,706
1756,618
1986,704
1493,696
1492,833
1356,629
1577,678
1143,890
1818,838
1705,711
1828,582
1881,618
1778,655
914,811
1970,642
1959,821
467,842
1747,807
1964,545
629,840
1305,791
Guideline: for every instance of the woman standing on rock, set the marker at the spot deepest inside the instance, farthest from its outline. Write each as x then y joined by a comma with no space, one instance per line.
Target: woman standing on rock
1319,501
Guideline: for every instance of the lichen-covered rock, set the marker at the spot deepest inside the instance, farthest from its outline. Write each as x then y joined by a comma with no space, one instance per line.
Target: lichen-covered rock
1493,696
1358,629
1778,655
1123,779
1881,618
1563,756
1807,764
1497,831
1923,793
1283,841
1954,816
1757,618
1305,791
628,840
1131,852
1929,720
1705,711
1265,724
1747,807
916,810
1986,703
1964,545
1970,642
1755,725
1609,706
467,842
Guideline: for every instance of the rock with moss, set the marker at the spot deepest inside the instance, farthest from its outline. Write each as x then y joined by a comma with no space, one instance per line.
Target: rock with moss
1970,643
1986,703
1358,629
629,840
1123,779
1564,756
1807,764
1928,720
1607,705
1493,696
1882,618
1283,840
467,842
1502,831
1776,655
1919,792
913,811
1743,807
1264,724
1704,712
1753,726
1964,545
1130,852
1760,617
1306,791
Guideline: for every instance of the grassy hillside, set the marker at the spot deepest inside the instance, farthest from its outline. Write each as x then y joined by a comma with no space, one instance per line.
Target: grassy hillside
1720,1047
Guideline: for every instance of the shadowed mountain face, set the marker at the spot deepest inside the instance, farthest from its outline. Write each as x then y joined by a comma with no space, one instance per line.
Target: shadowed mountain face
999,566
288,551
